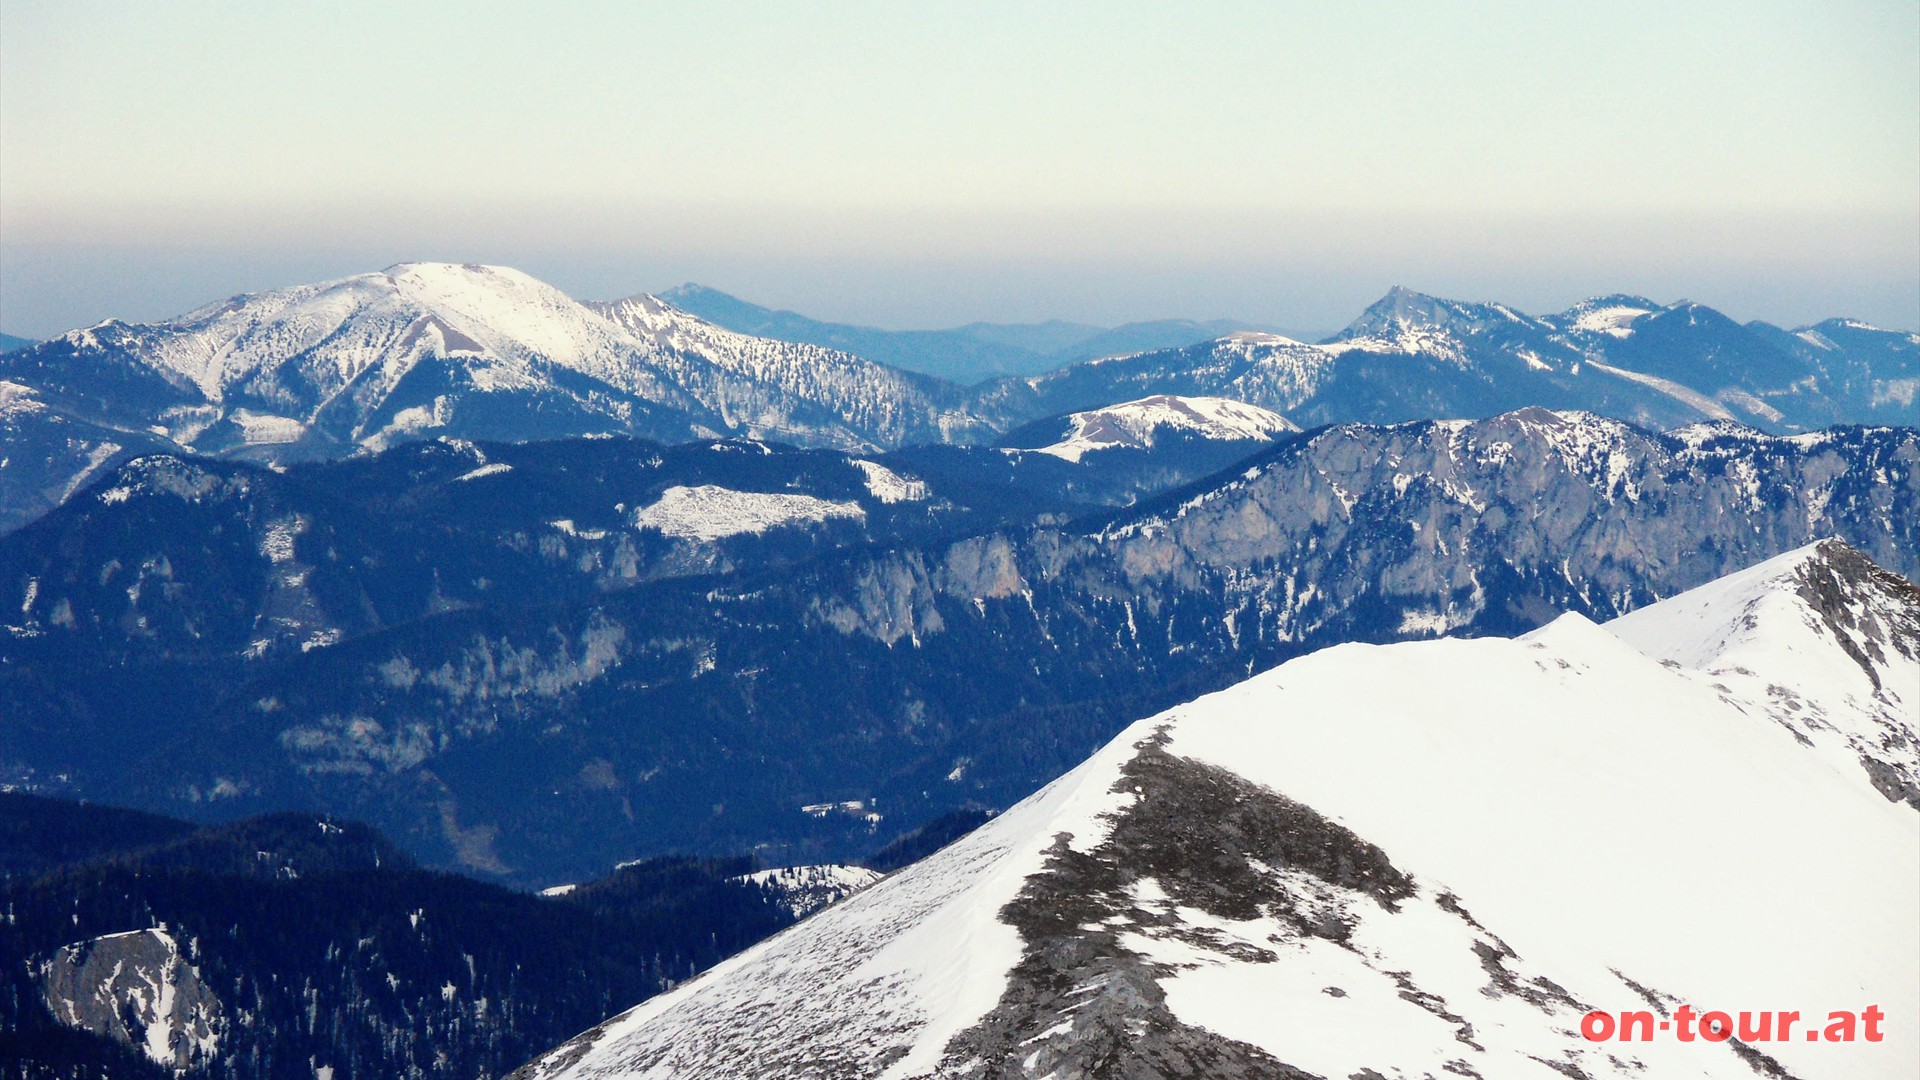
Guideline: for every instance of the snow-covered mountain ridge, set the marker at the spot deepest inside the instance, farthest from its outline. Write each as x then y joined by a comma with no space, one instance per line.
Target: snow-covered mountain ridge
1140,423
423,349
1827,643
808,889
1412,356
1388,861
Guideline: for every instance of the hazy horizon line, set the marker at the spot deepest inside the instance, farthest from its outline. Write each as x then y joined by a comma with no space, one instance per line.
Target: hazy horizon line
193,273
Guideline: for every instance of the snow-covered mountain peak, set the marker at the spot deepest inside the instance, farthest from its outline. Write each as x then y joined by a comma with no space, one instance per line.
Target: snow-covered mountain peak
1826,641
425,348
330,334
510,312
1699,434
646,311
493,296
1596,447
1695,316
1822,335
1417,324
1829,588
1612,315
807,889
1139,423
1260,337
1402,309
1573,429
428,272
1404,860
16,400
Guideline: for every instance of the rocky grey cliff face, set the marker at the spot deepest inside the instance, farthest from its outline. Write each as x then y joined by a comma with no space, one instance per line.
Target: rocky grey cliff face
915,677
1452,525
1874,617
137,989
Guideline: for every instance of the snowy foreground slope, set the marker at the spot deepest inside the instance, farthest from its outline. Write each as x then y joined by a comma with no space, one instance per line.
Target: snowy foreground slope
1423,859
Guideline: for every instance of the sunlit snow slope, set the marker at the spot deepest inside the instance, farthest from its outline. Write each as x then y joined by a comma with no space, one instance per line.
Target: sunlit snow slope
1834,663
1140,423
1422,859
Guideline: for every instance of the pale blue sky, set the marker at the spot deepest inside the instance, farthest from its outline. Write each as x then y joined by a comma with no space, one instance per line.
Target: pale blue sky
924,164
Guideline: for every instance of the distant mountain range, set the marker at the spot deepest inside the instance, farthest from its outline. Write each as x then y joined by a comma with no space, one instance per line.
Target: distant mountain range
965,354
1411,357
696,631
1425,859
535,661
423,350
434,350
320,370
8,343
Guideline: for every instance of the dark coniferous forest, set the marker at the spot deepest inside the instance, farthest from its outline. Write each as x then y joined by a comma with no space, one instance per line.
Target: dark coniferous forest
323,945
